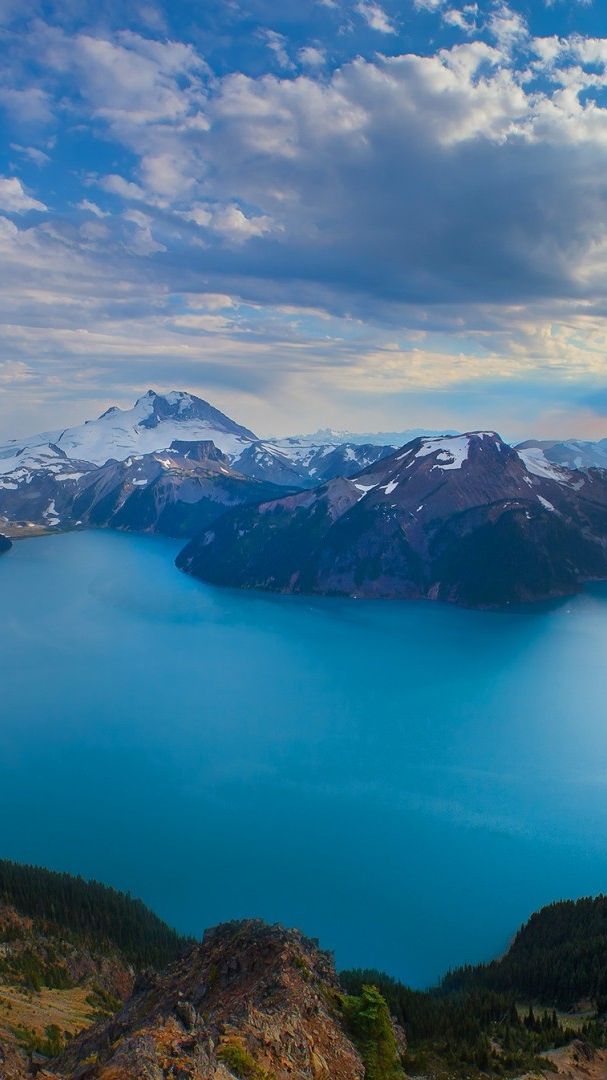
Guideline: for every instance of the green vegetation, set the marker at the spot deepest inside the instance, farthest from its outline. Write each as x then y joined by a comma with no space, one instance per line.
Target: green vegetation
367,1018
50,1045
559,958
470,1033
114,920
37,969
473,1023
237,1058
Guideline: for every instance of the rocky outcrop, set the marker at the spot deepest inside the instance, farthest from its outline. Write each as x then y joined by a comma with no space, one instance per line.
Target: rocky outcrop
459,518
252,1001
5,544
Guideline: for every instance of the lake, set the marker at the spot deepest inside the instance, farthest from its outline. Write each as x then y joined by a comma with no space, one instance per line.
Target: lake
405,781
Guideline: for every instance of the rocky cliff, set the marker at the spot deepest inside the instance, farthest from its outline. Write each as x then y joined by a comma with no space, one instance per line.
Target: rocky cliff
254,1002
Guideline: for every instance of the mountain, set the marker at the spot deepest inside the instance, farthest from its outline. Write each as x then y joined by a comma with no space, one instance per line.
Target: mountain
59,478
573,453
306,465
461,518
152,424
37,486
333,437
252,1001
177,492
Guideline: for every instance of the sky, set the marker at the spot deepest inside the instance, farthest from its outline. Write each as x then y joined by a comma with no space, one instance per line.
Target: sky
344,213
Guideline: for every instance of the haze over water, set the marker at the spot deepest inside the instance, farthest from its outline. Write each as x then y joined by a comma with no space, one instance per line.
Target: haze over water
405,781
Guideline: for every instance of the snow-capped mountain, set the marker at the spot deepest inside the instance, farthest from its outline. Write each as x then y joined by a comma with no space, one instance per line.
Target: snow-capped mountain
465,518
335,437
40,475
572,453
152,424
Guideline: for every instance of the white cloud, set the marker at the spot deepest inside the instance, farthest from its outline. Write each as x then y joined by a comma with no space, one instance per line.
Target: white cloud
15,199
311,56
30,105
141,240
277,44
230,222
375,17
464,18
117,185
91,208
429,5
507,26
33,153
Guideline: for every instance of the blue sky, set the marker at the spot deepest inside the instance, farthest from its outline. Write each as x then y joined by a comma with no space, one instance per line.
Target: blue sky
323,212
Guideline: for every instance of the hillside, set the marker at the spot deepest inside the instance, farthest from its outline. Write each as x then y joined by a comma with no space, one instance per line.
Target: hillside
466,519
558,957
90,910
258,1002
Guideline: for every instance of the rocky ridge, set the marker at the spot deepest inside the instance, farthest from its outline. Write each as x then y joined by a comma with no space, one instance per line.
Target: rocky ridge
251,1001
463,518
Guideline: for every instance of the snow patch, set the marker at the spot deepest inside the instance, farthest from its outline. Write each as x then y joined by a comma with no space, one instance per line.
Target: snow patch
548,505
451,451
537,463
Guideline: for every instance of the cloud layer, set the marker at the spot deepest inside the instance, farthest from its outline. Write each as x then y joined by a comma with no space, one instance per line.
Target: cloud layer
413,220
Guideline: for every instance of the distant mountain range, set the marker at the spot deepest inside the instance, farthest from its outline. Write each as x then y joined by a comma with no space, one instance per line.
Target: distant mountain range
465,518
573,454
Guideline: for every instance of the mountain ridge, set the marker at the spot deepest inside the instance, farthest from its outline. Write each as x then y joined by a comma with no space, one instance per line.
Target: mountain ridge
462,518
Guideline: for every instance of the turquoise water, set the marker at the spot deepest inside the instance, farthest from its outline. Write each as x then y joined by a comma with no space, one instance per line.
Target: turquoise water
406,782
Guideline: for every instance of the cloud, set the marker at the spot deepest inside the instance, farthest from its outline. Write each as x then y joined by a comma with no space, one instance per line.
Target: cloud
507,26
311,56
117,185
33,153
429,5
30,105
277,44
464,18
91,208
375,17
230,222
389,225
15,199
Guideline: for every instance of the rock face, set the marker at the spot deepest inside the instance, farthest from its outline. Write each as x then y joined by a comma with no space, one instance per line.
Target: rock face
5,544
251,1001
177,492
459,518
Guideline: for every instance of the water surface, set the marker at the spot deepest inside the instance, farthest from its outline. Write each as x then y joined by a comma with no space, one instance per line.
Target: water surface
406,782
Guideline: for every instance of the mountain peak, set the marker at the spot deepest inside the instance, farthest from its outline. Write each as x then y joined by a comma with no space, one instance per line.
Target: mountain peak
251,1000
